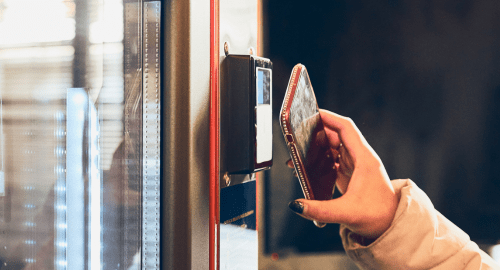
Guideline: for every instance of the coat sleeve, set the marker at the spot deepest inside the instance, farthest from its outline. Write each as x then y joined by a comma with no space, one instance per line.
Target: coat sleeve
419,238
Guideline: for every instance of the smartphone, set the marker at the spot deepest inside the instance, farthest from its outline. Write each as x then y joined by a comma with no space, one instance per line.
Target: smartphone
304,134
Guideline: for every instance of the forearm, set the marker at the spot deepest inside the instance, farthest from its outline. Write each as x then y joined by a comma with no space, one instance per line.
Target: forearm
418,238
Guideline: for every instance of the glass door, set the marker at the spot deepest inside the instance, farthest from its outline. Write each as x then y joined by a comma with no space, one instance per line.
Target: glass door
79,134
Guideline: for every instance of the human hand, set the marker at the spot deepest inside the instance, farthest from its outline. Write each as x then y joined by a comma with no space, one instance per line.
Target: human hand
368,204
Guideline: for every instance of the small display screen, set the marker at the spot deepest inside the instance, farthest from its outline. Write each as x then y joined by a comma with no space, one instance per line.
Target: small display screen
263,86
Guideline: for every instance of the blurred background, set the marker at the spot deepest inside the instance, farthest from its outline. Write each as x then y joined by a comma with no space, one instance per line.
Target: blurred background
421,79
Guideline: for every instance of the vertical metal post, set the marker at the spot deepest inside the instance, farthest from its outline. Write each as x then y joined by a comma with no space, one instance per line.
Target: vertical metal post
80,43
132,130
185,137
77,104
237,245
151,136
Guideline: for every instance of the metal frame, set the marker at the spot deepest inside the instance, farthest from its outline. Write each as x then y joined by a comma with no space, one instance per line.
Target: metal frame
214,229
151,135
235,30
185,141
190,137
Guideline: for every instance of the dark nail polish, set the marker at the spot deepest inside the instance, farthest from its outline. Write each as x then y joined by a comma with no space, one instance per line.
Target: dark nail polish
296,206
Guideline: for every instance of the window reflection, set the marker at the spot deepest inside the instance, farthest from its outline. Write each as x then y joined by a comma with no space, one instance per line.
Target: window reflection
61,209
38,21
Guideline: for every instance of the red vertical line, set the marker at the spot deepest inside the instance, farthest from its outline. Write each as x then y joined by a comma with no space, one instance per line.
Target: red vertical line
259,28
214,137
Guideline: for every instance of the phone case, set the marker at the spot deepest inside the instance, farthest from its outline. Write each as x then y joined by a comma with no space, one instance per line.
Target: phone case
317,179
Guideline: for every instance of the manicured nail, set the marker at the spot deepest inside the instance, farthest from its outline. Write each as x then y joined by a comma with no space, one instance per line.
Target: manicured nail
296,206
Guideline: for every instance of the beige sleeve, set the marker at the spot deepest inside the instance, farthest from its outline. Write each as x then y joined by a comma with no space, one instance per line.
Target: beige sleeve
419,238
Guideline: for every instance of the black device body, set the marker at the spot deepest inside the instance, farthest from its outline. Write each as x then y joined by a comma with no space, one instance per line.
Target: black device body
246,102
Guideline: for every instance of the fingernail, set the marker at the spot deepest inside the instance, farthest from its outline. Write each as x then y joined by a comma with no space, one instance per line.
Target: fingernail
296,206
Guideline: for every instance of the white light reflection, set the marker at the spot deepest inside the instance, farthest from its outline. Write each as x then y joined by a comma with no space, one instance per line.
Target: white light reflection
59,116
59,169
108,26
95,189
77,102
60,133
79,98
59,151
38,21
29,224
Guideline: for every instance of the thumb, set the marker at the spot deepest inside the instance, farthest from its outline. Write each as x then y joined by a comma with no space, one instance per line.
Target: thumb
329,211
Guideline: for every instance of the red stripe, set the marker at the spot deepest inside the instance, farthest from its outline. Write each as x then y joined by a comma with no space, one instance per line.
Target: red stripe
259,28
214,137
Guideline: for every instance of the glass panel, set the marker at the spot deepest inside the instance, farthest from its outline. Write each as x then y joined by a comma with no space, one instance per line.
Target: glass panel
71,135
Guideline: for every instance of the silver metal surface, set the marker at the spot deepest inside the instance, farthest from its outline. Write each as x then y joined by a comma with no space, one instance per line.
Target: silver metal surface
151,136
185,137
238,27
130,219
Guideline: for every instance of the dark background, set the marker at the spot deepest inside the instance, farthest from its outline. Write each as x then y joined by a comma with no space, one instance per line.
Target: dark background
421,79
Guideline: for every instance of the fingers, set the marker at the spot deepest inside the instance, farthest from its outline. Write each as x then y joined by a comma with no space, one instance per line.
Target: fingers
330,211
333,138
342,181
290,165
368,203
297,206
346,131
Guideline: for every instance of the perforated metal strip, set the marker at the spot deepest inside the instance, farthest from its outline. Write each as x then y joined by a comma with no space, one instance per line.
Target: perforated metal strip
132,217
151,137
